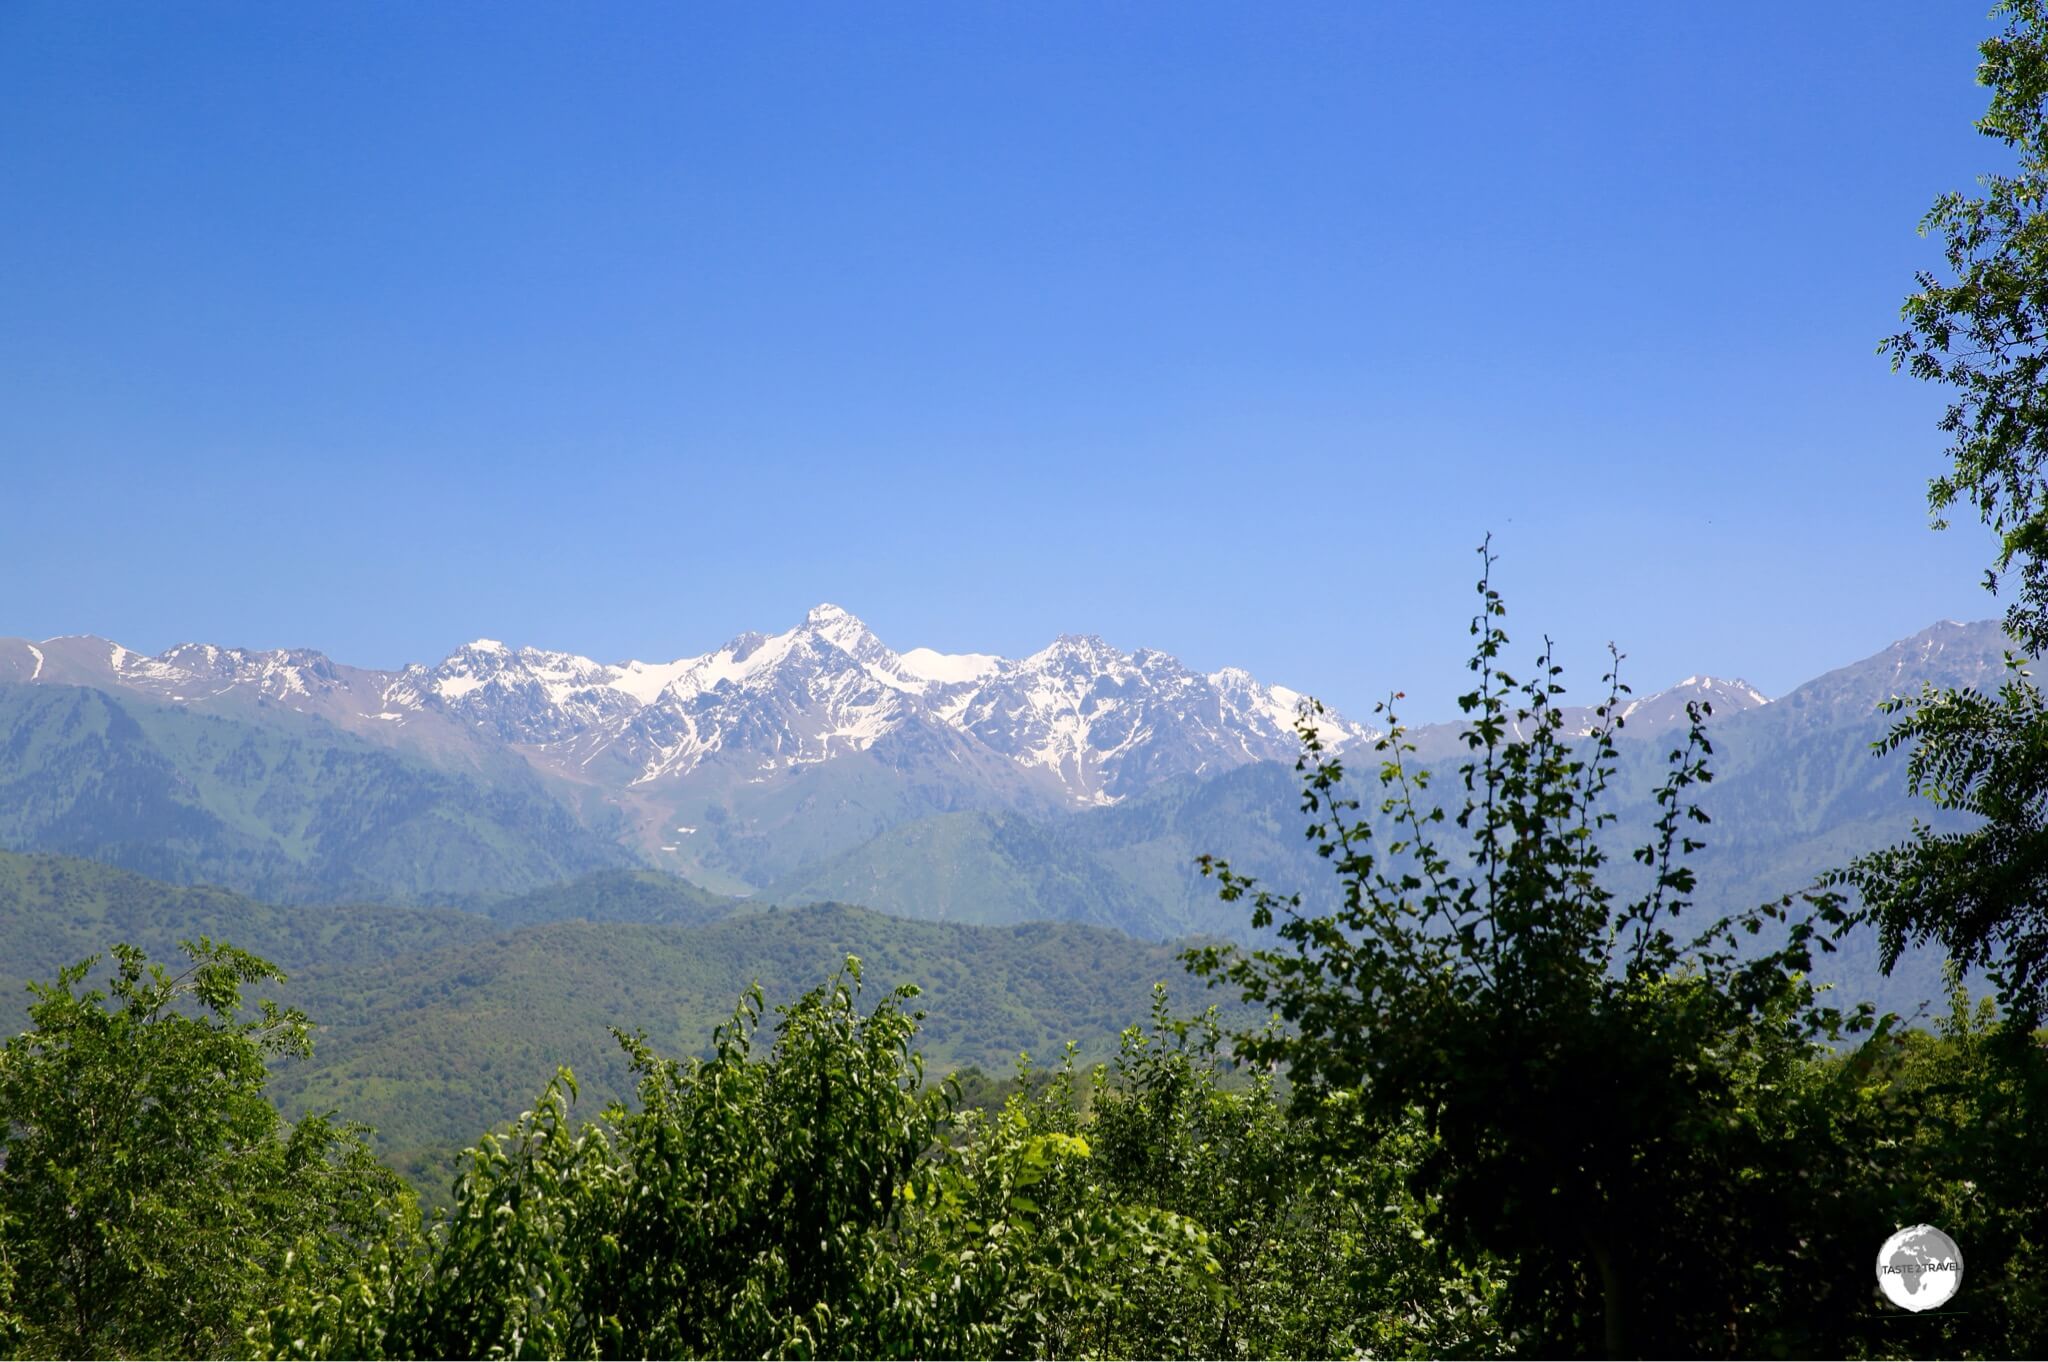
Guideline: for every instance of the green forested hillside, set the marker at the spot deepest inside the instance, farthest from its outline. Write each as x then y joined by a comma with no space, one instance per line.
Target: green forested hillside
980,867
611,896
431,1048
56,910
289,811
435,1024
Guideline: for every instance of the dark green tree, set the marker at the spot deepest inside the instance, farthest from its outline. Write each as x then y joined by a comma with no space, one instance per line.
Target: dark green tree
1321,1254
1607,1105
743,1209
1982,332
150,1195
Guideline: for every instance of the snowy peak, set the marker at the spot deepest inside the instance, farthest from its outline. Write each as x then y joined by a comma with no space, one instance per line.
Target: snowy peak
1276,710
1108,723
842,630
946,669
1665,711
189,671
825,616
1077,654
530,695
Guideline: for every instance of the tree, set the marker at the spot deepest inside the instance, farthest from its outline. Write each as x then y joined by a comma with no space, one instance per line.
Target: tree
1320,1254
744,1209
806,1202
1606,1107
1982,894
150,1195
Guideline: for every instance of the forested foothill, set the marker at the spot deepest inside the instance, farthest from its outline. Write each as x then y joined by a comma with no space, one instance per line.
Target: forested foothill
1505,1088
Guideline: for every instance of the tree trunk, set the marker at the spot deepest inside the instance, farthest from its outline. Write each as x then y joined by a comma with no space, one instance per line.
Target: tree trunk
1614,1328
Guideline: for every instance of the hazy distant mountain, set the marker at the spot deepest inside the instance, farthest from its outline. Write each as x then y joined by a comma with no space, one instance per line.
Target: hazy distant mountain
292,809
1648,716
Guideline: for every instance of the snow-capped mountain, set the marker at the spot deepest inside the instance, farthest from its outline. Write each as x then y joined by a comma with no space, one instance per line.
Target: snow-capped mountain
824,689
1080,720
1100,723
1649,715
528,695
206,676
1109,724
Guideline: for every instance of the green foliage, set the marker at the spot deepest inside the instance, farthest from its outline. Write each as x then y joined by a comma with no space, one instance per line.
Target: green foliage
823,1200
1026,1245
1591,1083
1320,1255
1983,334
1965,1106
1981,892
149,1193
797,1205
818,1197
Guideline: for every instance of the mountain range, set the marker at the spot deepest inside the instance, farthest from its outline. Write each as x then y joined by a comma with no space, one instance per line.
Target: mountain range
1076,784
739,767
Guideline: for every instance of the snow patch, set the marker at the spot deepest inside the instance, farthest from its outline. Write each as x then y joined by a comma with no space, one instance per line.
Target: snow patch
926,664
645,681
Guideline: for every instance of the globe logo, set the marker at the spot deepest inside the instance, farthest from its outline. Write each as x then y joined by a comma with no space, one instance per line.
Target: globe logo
1919,1268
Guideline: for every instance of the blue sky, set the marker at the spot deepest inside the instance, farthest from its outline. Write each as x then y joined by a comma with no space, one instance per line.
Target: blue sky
1223,329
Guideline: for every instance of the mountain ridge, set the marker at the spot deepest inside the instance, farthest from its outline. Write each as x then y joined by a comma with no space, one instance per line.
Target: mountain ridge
747,769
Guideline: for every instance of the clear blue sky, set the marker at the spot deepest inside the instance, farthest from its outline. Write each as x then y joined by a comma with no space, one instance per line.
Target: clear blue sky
1224,329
